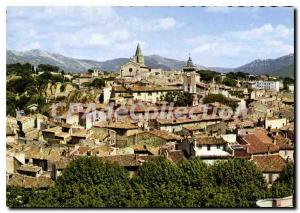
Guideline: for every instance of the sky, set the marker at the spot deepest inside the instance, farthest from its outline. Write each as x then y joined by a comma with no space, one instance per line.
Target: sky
213,36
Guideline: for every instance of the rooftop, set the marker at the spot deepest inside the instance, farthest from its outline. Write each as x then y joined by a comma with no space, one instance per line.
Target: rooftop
283,143
257,146
269,163
147,88
128,160
30,182
210,141
29,168
121,125
165,135
176,156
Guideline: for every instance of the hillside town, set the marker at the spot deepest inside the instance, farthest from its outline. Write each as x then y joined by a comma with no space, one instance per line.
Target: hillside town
139,113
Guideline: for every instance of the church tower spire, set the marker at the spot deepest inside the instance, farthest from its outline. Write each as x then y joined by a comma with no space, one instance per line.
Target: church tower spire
138,57
138,50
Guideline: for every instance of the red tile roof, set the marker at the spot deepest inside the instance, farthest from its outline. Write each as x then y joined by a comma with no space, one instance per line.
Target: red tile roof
258,142
269,163
283,143
256,146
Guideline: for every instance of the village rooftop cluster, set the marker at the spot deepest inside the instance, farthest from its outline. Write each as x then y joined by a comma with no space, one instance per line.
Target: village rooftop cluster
121,122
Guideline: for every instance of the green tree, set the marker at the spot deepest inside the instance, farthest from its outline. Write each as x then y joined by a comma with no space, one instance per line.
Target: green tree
48,68
184,99
196,182
208,75
98,83
229,82
88,182
211,98
18,197
179,98
158,184
287,81
242,179
284,185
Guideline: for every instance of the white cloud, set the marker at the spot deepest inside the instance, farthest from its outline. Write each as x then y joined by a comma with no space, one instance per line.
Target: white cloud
260,42
160,24
165,24
67,29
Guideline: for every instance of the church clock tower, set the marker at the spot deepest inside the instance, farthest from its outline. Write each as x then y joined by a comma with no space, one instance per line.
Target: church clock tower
190,77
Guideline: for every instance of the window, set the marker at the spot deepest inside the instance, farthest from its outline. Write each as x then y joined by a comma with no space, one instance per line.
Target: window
208,147
130,69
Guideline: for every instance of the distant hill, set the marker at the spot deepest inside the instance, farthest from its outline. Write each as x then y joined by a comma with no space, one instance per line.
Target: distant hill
283,66
279,66
37,57
221,69
287,71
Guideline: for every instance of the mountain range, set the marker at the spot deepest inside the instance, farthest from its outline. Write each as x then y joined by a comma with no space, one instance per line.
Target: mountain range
283,66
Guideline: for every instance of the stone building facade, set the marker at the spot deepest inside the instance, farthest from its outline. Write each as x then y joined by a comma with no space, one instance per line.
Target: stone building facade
135,66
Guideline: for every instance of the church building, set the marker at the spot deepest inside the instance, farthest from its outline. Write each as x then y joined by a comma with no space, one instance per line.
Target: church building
135,66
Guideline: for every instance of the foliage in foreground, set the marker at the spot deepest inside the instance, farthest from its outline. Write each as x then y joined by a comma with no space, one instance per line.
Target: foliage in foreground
89,182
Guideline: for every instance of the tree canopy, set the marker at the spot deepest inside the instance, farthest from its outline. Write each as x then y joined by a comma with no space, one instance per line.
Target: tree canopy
91,182
231,82
284,185
211,98
179,98
208,75
24,87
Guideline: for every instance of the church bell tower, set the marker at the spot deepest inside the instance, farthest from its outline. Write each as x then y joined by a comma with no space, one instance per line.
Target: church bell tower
190,77
138,57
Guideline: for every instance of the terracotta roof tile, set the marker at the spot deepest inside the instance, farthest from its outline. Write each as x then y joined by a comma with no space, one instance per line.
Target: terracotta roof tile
256,146
30,182
283,143
165,135
210,140
269,163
